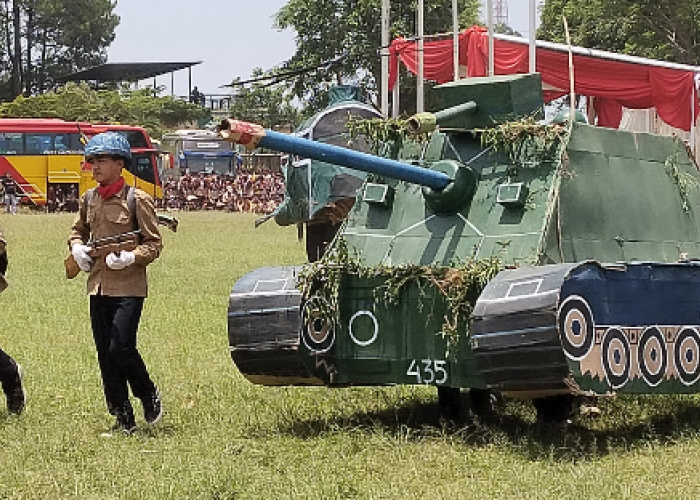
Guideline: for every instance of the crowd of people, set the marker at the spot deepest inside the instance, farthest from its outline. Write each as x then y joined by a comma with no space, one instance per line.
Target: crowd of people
62,198
247,191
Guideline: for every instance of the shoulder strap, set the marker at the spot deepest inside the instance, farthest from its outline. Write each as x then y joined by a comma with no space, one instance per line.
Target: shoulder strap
131,200
131,204
88,196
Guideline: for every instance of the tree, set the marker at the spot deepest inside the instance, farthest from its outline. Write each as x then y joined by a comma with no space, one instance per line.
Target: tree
263,102
341,40
43,39
77,102
646,28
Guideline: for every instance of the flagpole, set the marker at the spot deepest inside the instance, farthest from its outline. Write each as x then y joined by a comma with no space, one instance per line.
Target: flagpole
533,36
420,98
489,18
455,39
384,51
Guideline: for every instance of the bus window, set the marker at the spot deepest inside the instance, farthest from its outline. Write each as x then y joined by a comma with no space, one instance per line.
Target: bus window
142,167
38,144
11,143
68,144
136,138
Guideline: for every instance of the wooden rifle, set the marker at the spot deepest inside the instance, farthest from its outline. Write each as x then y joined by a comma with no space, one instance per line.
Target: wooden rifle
116,243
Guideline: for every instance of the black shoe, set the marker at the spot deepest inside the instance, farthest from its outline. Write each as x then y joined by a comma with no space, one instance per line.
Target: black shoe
124,426
125,419
152,408
14,391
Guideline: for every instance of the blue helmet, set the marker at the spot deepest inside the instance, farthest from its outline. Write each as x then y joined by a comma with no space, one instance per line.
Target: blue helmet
108,143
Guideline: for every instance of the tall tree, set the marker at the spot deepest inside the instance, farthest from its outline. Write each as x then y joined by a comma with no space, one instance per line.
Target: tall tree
341,39
263,102
44,39
665,30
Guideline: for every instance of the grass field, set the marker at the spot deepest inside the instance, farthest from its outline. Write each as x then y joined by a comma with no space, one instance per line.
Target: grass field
224,438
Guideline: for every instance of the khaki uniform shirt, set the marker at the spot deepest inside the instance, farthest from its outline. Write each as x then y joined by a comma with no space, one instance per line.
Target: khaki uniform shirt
3,249
111,217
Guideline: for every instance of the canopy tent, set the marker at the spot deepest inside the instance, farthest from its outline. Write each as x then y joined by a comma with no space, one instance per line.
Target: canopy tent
126,72
131,72
612,79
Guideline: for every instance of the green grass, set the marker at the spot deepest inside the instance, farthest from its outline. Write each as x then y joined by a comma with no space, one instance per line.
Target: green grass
224,438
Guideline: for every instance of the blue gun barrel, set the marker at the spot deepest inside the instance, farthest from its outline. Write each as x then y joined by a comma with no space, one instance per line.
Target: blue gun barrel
252,136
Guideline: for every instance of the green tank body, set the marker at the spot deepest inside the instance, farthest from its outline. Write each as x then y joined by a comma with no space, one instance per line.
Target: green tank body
556,261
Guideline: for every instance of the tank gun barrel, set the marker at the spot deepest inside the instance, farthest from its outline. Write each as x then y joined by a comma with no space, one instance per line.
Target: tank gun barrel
427,122
252,136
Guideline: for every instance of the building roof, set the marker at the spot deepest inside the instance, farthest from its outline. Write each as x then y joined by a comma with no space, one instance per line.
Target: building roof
126,72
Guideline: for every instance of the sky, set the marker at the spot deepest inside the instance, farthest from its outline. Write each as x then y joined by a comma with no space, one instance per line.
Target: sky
230,37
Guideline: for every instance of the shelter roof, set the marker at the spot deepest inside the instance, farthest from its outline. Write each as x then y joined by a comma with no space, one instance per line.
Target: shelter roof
121,72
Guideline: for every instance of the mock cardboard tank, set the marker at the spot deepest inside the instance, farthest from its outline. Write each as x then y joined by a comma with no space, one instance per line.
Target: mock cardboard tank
537,261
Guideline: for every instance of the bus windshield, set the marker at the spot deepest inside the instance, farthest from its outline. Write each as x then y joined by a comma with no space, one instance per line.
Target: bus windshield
196,151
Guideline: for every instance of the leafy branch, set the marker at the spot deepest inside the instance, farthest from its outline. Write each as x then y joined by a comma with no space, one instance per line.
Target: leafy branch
382,133
460,284
685,181
524,141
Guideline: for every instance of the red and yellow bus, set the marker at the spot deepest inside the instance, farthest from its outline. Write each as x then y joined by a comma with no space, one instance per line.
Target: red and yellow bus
45,155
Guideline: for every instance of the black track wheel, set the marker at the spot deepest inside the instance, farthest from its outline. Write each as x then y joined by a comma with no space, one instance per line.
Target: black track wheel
485,403
555,409
450,402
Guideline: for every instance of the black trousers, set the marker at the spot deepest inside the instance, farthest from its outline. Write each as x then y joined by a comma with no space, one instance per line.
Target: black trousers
115,321
8,370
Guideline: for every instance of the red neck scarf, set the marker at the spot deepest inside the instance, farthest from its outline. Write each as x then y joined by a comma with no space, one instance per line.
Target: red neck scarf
110,190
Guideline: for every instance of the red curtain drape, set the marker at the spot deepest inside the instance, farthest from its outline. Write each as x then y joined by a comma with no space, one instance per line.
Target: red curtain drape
613,83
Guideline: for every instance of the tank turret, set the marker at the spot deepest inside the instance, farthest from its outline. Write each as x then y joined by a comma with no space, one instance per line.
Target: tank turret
540,261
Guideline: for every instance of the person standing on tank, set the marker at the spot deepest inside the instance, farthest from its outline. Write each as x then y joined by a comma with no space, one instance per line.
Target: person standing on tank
117,282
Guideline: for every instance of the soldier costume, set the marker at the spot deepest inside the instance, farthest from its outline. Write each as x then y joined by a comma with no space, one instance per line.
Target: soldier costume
117,282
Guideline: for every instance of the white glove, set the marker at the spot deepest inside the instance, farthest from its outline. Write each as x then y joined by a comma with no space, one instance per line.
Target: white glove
80,254
121,260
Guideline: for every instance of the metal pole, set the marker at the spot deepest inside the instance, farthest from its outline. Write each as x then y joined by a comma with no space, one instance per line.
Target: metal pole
602,54
396,96
189,74
420,98
489,21
572,95
692,119
384,51
455,39
533,36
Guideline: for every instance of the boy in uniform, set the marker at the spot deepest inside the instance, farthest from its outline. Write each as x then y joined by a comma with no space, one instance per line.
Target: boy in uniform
117,283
